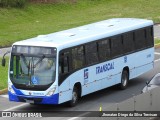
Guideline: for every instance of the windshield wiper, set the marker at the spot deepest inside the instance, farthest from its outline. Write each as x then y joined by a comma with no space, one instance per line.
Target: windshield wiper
29,66
39,61
24,59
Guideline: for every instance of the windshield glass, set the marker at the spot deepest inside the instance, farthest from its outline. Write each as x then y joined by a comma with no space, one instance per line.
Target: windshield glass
32,70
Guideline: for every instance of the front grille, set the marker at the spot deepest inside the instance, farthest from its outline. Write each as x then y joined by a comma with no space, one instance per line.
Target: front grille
36,100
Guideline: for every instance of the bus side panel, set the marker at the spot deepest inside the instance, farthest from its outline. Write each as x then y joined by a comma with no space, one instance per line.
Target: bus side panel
66,87
107,82
91,83
91,87
144,61
100,76
65,92
65,96
107,74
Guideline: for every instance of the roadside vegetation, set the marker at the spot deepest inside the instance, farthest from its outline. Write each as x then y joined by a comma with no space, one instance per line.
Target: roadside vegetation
13,3
37,18
157,41
3,74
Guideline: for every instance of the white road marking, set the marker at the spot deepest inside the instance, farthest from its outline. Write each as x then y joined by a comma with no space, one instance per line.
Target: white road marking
5,96
18,106
156,53
157,60
81,115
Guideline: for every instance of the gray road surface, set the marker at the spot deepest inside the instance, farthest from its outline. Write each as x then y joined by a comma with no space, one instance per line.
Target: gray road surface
157,31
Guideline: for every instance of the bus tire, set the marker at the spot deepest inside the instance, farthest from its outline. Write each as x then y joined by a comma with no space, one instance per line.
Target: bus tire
124,80
73,102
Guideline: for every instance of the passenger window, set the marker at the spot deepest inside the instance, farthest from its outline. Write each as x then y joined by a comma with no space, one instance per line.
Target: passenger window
149,36
116,46
104,49
64,63
140,41
91,53
128,42
77,57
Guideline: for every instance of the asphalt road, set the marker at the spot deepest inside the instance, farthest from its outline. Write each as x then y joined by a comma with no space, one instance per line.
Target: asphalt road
90,102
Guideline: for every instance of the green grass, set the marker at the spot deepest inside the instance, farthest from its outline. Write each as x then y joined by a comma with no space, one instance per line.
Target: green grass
157,41
35,19
3,74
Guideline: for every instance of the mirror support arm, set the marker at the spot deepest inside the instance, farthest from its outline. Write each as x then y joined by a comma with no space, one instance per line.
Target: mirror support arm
3,59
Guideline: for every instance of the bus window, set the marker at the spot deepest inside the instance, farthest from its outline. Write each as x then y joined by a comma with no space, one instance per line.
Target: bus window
116,46
104,49
91,53
149,36
140,42
64,63
128,43
77,57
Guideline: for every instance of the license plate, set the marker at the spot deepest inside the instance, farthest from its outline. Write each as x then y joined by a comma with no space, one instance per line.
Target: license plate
30,101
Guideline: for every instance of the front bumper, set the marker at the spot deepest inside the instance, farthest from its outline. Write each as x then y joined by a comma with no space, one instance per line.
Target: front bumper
35,99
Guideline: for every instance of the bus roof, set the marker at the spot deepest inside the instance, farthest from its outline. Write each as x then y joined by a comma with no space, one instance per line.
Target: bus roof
86,33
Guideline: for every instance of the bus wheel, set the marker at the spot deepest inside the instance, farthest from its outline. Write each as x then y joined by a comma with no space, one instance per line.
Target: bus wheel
74,100
124,80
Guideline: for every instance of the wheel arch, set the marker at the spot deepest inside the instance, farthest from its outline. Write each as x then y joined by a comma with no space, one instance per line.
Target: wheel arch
79,87
127,69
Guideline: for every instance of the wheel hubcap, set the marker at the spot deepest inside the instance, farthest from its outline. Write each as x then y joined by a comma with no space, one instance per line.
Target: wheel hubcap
124,80
74,96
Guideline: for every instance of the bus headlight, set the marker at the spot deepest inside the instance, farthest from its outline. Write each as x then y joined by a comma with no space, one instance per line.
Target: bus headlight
11,90
51,92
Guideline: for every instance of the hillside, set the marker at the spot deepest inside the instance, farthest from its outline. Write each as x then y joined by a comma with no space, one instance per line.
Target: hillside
34,19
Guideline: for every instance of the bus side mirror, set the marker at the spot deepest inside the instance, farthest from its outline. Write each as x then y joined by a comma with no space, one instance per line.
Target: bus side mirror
3,62
3,59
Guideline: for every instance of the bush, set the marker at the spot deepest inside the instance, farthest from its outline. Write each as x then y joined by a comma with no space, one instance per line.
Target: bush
12,3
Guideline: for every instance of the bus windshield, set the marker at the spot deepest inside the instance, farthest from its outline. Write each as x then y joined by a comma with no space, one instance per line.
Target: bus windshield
32,70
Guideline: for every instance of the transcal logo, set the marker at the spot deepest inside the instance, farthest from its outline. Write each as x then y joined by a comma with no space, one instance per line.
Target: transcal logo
85,73
105,68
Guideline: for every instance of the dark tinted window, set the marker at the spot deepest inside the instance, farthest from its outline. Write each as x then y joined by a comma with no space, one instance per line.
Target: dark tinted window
77,57
116,46
149,36
91,53
104,49
64,63
128,43
140,41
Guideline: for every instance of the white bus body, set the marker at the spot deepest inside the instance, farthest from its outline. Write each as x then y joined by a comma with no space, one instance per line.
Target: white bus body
81,60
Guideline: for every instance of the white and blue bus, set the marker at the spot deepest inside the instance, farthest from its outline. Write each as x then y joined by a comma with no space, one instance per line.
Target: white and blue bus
66,65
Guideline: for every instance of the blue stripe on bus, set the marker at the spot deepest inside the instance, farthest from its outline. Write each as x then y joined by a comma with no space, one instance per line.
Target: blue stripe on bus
13,97
45,100
17,91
